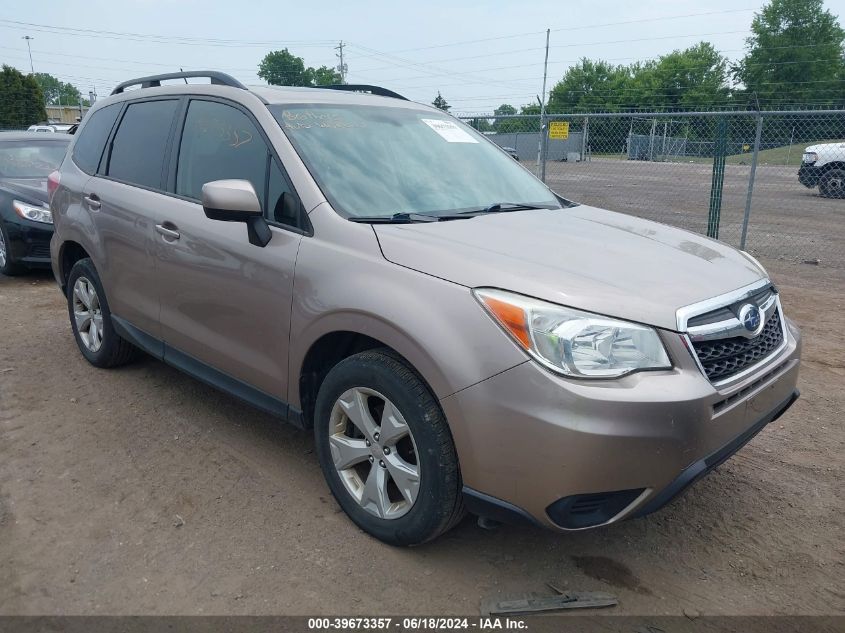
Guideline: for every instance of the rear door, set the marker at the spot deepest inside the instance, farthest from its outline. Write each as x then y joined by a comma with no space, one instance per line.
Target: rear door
225,302
124,198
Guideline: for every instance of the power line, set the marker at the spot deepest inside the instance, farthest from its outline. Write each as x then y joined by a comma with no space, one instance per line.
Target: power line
578,28
685,68
156,39
571,45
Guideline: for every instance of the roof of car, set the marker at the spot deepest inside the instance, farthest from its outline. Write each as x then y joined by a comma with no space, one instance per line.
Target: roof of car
35,136
225,85
294,94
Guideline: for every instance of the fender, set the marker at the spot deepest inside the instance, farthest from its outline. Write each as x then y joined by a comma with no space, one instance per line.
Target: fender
374,297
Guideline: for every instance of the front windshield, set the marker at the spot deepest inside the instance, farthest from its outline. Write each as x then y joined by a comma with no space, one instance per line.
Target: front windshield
380,161
30,159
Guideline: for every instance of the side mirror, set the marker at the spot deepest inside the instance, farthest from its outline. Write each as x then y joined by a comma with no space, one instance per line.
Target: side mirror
236,201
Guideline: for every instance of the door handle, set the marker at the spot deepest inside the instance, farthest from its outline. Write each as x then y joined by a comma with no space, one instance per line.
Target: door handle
93,201
173,234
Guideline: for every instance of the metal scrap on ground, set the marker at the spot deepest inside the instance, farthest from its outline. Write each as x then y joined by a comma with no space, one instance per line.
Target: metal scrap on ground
533,603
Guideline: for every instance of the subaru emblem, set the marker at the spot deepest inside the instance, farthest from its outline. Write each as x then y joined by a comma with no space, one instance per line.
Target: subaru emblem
750,317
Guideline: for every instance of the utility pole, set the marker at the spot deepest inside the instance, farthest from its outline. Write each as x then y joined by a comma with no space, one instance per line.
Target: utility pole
543,134
28,39
341,67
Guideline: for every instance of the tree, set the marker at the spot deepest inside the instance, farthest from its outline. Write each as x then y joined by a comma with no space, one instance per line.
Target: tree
694,78
325,76
502,124
21,99
505,109
283,68
795,55
56,91
440,103
508,124
592,85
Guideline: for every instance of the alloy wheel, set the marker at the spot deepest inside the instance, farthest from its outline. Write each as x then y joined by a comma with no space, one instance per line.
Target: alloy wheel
2,250
374,453
88,314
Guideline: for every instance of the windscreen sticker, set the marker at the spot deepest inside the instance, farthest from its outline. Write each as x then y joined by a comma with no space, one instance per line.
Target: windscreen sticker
449,131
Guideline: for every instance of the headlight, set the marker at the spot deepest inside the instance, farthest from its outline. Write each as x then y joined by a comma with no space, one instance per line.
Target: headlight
810,157
572,342
31,212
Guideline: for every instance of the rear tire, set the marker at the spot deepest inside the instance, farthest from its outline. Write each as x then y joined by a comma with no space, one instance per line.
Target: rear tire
832,183
90,319
8,267
403,491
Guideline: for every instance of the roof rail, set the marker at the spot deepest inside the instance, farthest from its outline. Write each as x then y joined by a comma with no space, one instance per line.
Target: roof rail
221,79
374,90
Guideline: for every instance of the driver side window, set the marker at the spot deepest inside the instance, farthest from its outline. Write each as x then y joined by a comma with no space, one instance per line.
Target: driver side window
219,142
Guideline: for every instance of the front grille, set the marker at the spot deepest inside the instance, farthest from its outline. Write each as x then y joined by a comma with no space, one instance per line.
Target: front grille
731,311
39,249
727,357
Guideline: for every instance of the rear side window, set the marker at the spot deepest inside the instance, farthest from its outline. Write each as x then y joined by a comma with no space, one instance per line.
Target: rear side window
92,139
219,142
138,149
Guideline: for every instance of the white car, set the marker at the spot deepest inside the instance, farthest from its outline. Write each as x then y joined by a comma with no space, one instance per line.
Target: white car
823,166
51,127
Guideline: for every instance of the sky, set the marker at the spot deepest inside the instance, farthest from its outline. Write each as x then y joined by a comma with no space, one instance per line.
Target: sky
477,54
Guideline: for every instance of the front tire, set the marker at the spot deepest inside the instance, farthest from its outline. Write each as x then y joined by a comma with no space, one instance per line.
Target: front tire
8,267
90,319
386,450
832,183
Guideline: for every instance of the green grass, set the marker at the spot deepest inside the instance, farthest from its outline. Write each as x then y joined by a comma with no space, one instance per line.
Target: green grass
775,156
783,156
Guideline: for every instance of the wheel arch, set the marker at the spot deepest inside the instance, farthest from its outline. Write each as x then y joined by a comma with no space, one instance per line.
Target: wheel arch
329,349
836,164
69,253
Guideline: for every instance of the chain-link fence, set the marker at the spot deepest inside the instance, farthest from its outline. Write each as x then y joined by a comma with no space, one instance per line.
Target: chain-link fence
772,183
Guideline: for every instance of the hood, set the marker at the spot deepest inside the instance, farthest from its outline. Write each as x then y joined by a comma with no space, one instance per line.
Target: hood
582,257
30,189
821,147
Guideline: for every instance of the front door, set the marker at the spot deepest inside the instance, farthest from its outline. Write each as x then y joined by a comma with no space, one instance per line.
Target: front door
225,302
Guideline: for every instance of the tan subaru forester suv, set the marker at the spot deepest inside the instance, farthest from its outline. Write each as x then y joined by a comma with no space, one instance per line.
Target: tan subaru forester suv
457,335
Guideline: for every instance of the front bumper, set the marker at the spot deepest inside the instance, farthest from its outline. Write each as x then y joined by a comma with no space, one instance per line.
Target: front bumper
29,242
809,174
572,454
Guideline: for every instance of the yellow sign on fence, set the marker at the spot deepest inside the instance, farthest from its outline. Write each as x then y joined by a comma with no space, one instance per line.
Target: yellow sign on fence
559,130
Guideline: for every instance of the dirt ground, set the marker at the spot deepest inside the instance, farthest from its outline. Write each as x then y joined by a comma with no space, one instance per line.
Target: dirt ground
142,491
788,221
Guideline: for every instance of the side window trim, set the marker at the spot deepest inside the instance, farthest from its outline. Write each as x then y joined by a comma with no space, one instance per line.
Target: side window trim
106,153
304,226
175,127
181,117
105,160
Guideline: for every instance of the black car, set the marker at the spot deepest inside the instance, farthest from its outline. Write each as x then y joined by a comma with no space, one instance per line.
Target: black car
26,224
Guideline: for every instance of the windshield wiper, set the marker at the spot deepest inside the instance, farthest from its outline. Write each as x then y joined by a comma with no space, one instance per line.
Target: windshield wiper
503,207
406,218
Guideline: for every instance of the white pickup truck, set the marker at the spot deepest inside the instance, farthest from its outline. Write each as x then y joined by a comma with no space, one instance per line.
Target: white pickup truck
823,165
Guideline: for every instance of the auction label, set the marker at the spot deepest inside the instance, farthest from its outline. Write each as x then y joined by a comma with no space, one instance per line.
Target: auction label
450,131
417,624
